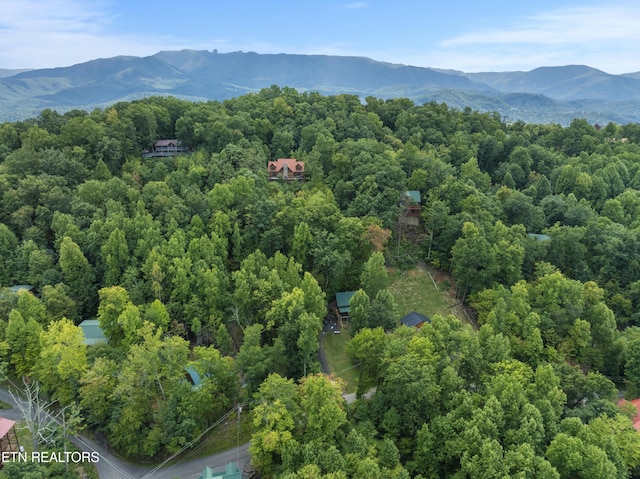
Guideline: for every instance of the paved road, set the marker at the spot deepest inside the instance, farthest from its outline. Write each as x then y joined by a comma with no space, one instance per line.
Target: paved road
112,467
192,468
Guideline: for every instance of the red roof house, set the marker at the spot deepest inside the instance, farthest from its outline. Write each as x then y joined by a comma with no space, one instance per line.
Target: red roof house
8,436
288,169
636,404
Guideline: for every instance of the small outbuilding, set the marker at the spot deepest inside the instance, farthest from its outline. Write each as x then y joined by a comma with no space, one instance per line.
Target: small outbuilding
415,320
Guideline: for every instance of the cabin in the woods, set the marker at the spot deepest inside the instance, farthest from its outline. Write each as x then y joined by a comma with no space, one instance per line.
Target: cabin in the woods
343,308
93,333
286,169
165,148
410,204
415,320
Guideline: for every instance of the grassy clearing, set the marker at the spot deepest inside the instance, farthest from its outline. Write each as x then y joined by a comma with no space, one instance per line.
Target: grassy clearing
339,362
225,436
414,291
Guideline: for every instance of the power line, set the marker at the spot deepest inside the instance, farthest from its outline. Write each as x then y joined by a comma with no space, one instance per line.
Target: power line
193,441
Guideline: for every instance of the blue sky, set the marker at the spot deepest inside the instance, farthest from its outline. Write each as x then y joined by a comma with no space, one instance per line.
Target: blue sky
468,35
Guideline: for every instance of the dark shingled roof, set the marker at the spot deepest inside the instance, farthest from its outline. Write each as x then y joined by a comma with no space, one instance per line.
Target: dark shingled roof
414,319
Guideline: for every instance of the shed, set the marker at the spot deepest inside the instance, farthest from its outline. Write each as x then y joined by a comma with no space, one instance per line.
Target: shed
415,320
231,471
93,333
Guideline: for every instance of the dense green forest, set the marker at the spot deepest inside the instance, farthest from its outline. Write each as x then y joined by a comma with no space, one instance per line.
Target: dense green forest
199,262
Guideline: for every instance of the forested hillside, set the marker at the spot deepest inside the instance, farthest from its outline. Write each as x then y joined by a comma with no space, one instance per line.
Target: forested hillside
199,263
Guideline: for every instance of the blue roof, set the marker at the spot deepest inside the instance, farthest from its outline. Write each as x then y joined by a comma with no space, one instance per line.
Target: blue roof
342,300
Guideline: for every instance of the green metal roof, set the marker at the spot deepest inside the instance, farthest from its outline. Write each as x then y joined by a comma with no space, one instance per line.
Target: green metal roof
539,237
195,377
21,287
93,333
342,300
414,195
231,472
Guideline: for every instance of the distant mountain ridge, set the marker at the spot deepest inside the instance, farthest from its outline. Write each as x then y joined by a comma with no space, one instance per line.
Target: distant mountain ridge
546,94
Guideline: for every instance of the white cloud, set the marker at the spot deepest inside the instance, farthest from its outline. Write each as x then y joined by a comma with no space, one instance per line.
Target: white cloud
603,37
48,33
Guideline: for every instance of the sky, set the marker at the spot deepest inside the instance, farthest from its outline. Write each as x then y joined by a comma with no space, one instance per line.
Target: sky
466,35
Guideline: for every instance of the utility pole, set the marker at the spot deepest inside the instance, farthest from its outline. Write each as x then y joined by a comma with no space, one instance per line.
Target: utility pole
238,439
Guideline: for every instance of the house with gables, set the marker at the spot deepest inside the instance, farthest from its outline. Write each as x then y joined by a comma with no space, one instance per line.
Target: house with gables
286,169
165,148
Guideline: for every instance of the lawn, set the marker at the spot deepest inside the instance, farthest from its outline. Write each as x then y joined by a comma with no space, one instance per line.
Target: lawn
414,290
339,362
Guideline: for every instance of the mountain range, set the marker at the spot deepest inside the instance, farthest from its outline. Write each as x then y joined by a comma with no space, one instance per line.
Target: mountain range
542,95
